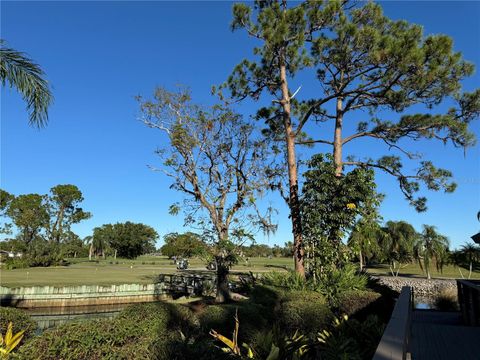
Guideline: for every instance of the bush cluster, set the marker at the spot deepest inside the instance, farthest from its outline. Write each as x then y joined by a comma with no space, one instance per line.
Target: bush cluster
303,311
332,284
145,331
353,302
20,321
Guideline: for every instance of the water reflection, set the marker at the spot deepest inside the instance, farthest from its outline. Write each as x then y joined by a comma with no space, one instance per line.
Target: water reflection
424,302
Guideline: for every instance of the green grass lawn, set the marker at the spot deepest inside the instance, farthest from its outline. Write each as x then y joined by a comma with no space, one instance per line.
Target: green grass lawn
144,269
414,270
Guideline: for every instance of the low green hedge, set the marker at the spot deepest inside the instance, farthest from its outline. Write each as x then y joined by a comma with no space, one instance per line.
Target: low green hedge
354,301
143,331
221,318
305,311
268,296
20,321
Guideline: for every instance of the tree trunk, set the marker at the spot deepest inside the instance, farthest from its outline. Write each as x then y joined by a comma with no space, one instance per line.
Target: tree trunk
90,252
337,140
223,291
115,254
293,203
361,260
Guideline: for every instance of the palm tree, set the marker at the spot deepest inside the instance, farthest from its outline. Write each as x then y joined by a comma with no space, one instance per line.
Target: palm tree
431,246
97,246
472,253
20,72
364,240
397,243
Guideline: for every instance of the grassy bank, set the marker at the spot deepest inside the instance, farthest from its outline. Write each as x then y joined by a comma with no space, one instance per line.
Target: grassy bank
145,269
448,272
142,270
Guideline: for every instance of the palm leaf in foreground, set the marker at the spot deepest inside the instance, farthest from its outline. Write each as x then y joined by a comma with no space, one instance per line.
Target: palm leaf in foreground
20,72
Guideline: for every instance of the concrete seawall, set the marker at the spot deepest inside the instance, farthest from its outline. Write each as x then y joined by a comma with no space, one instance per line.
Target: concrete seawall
51,296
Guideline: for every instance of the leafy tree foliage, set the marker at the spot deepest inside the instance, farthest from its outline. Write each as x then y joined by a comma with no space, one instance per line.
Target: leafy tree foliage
184,245
73,247
5,199
365,64
431,246
330,206
128,239
214,159
369,62
20,72
44,224
281,32
29,214
63,210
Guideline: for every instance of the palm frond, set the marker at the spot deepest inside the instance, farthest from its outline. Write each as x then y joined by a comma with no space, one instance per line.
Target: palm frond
20,72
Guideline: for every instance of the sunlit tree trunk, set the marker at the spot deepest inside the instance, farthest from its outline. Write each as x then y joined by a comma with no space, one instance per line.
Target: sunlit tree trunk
294,202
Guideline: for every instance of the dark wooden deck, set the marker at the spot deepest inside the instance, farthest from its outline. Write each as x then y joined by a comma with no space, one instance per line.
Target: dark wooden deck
440,336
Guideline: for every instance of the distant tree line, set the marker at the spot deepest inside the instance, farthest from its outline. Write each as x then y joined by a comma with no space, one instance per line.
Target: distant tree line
190,244
39,228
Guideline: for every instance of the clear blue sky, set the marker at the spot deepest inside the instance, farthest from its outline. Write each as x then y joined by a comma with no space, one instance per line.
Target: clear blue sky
99,55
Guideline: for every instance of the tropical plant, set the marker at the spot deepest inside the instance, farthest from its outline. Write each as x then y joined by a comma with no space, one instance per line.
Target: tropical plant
397,242
232,345
9,342
330,206
430,246
271,345
289,280
363,240
341,280
21,72
20,320
97,246
472,254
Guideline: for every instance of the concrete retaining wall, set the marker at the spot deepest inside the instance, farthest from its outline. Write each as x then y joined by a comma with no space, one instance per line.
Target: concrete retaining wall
50,296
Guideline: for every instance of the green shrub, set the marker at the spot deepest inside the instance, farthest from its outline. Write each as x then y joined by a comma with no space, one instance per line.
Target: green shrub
352,302
17,263
220,318
19,319
266,295
307,312
352,339
143,331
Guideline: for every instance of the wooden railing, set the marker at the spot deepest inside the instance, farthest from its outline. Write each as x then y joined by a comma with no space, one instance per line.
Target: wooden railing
394,342
469,300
